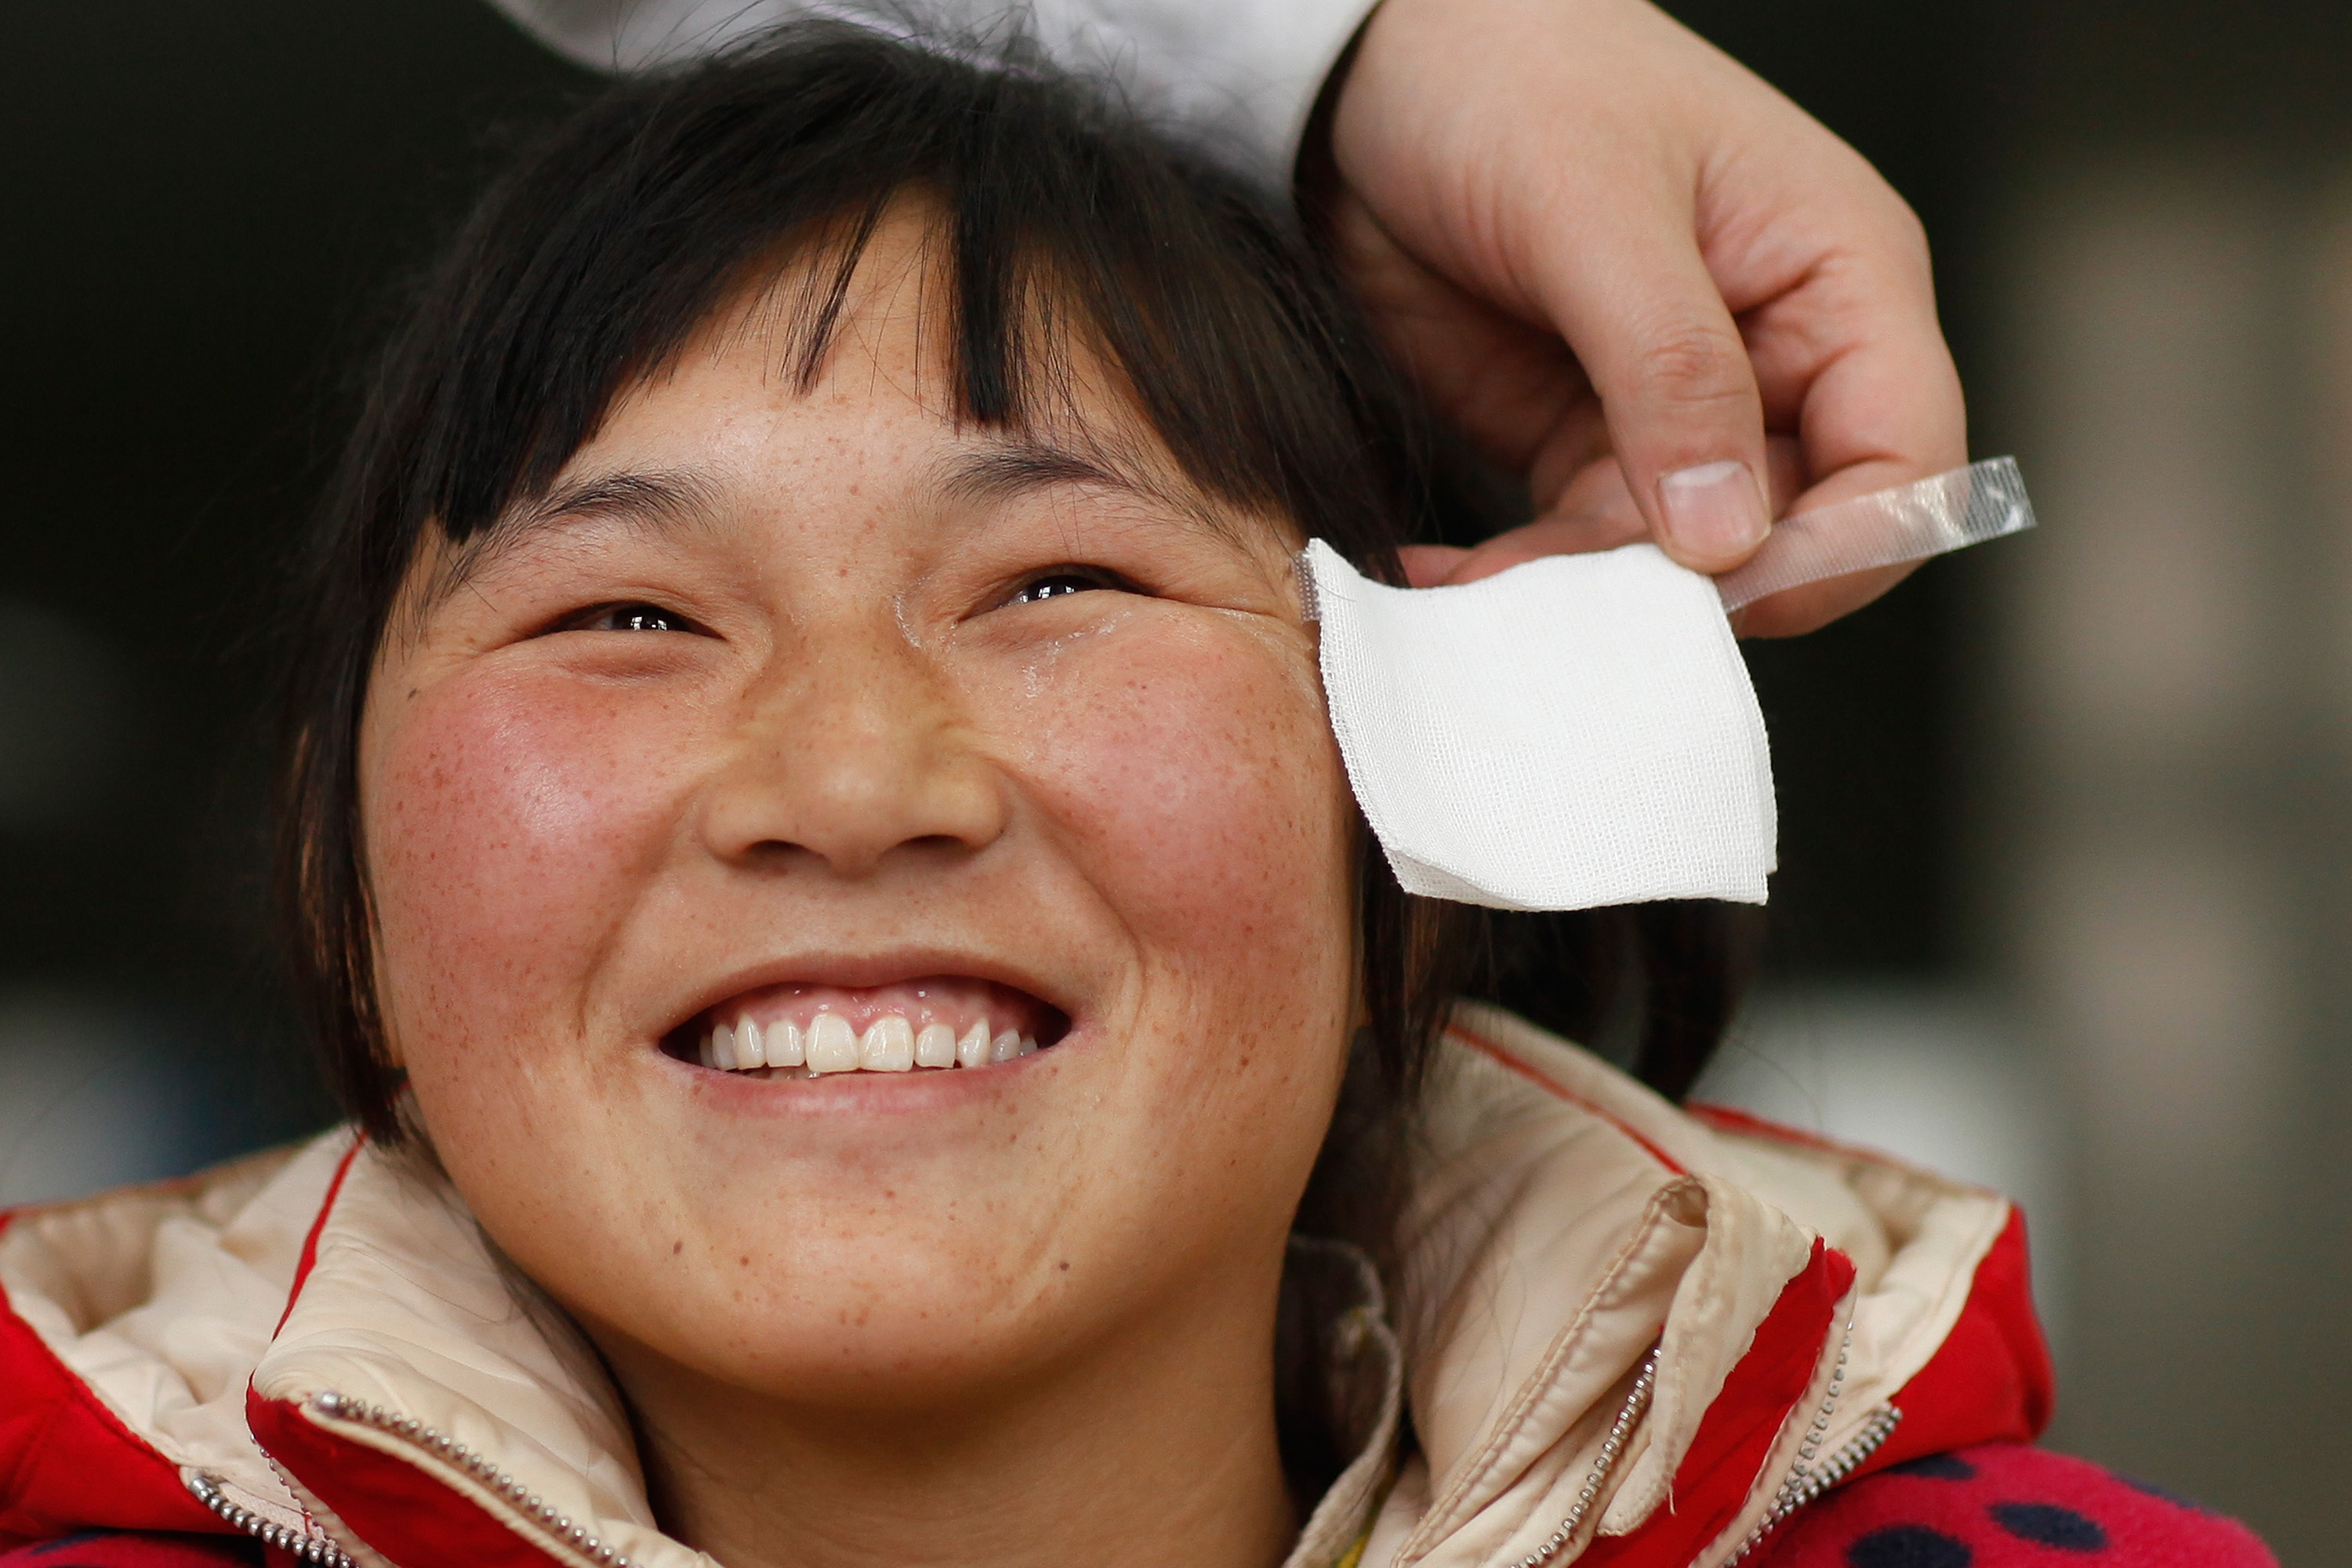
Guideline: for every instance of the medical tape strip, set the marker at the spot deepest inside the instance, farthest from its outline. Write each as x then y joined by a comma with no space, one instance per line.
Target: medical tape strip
1911,523
1579,730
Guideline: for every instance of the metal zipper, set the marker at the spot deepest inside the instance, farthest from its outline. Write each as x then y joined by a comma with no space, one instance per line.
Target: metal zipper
1806,1481
305,1548
1798,1491
1629,1415
337,1407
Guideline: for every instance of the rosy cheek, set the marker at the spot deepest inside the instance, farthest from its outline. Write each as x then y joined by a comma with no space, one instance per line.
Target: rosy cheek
504,817
1192,763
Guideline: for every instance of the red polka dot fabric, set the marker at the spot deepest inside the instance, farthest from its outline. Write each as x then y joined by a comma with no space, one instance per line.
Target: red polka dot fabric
1998,1506
2004,1505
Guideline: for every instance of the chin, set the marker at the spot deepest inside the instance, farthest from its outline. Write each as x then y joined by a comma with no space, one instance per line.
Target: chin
886,1325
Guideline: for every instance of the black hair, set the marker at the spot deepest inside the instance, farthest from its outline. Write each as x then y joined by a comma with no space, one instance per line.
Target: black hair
586,266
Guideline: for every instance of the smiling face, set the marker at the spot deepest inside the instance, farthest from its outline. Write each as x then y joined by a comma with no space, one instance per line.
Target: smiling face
809,708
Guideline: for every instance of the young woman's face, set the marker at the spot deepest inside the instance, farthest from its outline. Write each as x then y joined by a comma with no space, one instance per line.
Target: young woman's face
814,710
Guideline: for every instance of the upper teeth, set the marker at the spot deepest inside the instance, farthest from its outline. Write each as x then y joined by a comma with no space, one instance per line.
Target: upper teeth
890,1044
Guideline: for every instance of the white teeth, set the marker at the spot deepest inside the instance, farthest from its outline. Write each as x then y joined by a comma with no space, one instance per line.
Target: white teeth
832,1044
829,1045
888,1045
935,1046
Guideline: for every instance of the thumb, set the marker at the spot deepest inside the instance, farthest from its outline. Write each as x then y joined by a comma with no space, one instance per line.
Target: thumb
1684,419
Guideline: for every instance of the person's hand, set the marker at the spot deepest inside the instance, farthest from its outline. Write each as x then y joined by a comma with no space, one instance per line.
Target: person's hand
1617,260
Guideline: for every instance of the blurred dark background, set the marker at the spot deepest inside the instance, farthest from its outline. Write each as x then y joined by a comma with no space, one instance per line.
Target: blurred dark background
2060,825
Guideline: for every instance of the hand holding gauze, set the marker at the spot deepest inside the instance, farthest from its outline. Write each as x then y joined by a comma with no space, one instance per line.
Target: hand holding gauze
1580,730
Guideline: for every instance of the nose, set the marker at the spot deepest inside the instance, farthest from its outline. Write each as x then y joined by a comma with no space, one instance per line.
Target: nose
852,758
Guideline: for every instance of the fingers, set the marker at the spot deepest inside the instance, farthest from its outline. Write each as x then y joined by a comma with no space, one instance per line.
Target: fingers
1599,489
1855,356
1686,420
1429,565
1635,302
1580,201
1515,390
1813,605
1851,359
1542,163
1596,511
1546,536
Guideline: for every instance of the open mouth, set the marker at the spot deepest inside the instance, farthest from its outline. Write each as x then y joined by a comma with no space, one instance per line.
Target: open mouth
931,1025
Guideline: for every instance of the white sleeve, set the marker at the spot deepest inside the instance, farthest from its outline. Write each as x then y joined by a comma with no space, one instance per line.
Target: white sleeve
1239,76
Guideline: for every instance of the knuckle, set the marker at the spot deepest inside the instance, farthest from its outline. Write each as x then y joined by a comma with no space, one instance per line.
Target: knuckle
1896,237
1908,226
1906,235
1696,364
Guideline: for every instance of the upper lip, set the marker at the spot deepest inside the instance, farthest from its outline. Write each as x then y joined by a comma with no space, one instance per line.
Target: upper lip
865,971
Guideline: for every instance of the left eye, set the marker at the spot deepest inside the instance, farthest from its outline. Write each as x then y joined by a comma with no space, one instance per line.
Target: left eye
629,618
1060,583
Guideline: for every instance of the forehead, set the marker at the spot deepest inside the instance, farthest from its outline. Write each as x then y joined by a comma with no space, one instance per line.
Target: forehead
743,407
858,369
872,326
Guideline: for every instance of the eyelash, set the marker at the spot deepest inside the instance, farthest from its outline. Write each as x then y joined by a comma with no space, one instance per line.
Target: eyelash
1039,587
631,615
626,617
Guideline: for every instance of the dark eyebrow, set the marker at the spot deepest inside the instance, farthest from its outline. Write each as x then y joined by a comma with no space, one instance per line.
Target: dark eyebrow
1010,467
657,501
667,500
1009,470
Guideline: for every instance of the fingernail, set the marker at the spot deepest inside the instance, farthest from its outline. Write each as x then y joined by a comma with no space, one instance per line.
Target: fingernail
1713,512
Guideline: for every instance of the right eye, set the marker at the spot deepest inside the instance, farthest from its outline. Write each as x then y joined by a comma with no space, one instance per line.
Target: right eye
1061,581
626,617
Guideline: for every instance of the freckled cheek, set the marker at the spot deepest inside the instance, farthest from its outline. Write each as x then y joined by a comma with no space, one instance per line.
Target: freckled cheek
1201,796
1200,781
509,826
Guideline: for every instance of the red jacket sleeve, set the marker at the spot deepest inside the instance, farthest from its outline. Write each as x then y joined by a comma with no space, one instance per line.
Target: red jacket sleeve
119,1549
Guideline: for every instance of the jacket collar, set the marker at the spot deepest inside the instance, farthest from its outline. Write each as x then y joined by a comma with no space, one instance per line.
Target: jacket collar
323,1340
1806,1310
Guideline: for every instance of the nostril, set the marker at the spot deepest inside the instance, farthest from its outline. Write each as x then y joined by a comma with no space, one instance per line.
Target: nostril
779,851
850,789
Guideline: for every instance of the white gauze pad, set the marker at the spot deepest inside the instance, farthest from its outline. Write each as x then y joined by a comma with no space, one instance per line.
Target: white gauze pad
1574,731
1579,730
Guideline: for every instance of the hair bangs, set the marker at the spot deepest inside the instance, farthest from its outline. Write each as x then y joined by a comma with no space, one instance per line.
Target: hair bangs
1062,227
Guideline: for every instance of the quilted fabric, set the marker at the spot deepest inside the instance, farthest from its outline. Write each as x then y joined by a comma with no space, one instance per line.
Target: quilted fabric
2004,1505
